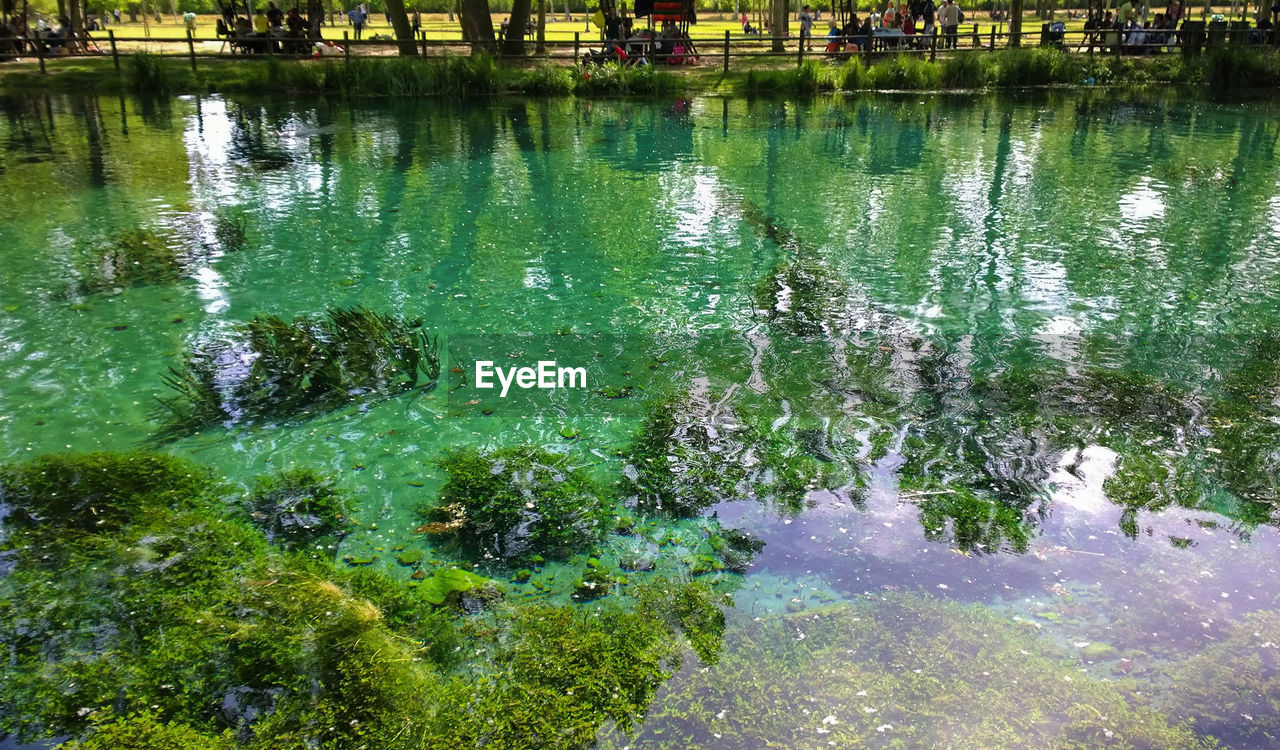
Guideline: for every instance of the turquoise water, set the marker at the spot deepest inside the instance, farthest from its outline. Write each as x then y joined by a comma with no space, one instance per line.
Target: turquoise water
1022,297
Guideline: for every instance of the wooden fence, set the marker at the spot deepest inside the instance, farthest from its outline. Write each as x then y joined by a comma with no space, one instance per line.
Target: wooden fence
1192,38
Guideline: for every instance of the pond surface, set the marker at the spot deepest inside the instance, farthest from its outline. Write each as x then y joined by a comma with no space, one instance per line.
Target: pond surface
1033,342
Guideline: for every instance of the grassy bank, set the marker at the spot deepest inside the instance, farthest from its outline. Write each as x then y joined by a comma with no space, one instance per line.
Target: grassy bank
1226,71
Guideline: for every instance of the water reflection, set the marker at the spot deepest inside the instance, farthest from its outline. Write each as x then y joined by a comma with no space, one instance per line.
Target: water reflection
1035,337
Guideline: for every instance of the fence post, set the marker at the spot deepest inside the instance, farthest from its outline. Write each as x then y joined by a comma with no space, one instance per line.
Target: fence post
346,46
576,34
115,56
993,37
40,53
800,53
191,50
726,50
424,42
933,45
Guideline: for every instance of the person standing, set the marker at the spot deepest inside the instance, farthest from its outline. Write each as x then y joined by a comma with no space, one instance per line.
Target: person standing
417,22
806,28
357,21
950,23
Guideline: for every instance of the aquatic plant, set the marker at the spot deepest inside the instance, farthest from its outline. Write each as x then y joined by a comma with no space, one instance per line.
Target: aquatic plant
231,232
687,457
97,491
899,670
810,77
145,730
802,299
692,608
134,257
270,368
1231,688
964,71
517,501
297,508
903,71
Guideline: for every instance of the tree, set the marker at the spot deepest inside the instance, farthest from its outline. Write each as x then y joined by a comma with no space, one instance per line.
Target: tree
404,32
1015,23
780,12
513,42
477,25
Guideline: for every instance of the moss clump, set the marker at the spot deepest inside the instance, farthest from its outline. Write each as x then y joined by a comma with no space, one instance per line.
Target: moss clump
692,608
574,669
516,501
296,368
297,508
98,491
897,671
682,463
146,731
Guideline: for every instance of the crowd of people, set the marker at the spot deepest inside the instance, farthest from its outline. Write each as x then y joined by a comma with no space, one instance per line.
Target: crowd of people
629,44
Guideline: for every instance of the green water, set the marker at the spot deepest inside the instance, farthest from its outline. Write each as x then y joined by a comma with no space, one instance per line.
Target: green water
1011,297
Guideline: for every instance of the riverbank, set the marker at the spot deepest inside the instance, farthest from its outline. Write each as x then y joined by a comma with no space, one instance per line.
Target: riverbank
1225,71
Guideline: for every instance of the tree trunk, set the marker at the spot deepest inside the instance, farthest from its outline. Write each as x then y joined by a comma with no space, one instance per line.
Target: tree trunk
477,25
1015,23
542,26
778,20
513,42
404,32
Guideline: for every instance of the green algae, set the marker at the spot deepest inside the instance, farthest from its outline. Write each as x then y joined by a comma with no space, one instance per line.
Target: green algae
138,631
97,491
898,670
458,588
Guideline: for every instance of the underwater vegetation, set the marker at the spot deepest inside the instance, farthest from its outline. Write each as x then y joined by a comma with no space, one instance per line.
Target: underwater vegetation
133,257
270,368
298,508
692,453
1231,688
900,670
230,232
180,623
517,501
98,491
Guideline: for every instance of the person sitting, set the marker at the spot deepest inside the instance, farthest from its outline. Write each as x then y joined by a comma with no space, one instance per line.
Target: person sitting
833,37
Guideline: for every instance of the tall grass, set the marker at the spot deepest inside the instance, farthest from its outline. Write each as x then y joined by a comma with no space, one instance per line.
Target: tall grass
147,74
965,71
904,71
809,78
1037,66
1232,70
613,79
